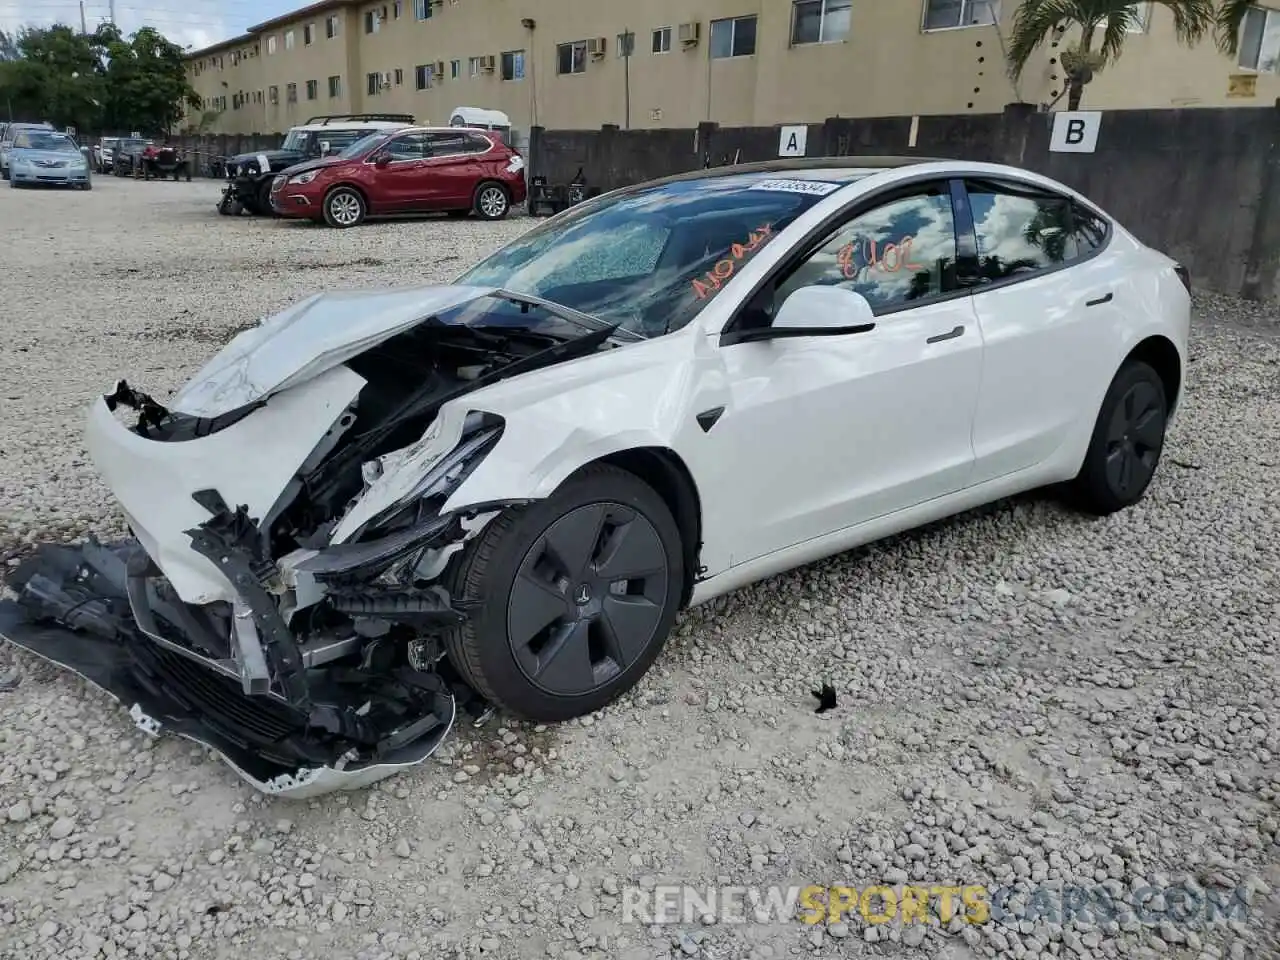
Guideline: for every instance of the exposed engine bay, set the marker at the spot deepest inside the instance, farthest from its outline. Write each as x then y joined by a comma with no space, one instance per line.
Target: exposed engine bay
318,665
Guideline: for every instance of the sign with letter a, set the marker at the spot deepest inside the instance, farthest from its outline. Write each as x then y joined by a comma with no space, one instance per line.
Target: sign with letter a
792,140
1075,131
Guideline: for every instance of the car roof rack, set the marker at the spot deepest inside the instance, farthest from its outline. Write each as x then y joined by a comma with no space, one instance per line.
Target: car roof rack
335,117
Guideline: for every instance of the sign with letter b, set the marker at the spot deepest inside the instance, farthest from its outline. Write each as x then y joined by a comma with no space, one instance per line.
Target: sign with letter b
1075,131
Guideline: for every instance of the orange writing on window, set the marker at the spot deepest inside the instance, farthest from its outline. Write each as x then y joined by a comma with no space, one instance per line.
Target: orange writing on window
715,278
861,256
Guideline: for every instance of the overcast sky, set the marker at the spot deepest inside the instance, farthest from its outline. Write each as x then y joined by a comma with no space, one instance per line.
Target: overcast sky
197,23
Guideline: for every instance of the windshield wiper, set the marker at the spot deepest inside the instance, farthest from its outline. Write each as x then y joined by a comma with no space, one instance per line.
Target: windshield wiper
567,313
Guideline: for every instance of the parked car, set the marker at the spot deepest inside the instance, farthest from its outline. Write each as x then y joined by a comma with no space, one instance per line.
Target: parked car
102,153
249,175
505,488
6,142
127,155
415,170
160,162
46,157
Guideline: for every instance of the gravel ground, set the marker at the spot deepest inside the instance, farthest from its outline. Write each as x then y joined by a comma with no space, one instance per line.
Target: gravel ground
1025,696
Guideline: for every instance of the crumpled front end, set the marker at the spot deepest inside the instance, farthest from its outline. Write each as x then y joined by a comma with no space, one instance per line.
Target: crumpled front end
102,612
285,595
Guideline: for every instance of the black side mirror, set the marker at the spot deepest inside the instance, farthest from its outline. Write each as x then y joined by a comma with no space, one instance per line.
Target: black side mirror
381,160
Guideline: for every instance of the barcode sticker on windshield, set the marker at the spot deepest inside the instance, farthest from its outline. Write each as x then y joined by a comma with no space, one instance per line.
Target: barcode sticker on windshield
817,188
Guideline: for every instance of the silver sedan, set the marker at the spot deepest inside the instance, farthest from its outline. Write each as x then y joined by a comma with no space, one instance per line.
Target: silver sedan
48,157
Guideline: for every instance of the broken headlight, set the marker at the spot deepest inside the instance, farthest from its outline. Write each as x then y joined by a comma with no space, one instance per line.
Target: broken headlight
445,476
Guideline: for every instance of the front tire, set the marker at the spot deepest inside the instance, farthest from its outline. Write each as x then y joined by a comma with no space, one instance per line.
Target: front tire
1128,438
573,596
491,202
344,207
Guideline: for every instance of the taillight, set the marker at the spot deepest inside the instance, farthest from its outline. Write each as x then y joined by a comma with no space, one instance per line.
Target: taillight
1184,275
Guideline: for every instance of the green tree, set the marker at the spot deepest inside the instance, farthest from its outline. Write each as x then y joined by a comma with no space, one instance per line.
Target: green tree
1104,27
147,85
96,81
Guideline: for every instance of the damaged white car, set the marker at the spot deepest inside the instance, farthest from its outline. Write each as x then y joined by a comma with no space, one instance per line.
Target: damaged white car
376,507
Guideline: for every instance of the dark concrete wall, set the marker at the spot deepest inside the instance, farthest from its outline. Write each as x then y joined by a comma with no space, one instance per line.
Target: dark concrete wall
1202,185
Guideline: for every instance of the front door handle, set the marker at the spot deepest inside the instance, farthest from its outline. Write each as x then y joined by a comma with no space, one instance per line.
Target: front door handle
938,338
1099,301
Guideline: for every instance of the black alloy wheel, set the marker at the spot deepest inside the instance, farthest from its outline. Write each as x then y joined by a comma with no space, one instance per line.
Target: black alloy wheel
587,599
572,597
1128,439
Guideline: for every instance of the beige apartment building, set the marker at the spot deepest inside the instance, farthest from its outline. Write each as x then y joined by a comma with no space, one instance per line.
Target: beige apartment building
563,64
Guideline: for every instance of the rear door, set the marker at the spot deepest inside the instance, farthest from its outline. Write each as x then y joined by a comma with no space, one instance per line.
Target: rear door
1045,295
454,169
402,183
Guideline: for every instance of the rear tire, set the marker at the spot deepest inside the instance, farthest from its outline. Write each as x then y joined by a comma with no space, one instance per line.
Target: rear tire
344,207
573,596
491,201
1128,438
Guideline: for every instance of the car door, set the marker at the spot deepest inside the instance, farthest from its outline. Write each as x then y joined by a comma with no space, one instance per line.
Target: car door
451,162
399,184
1042,295
829,432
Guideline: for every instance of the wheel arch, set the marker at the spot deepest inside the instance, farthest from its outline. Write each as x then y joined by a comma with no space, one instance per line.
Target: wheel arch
663,470
1160,353
350,185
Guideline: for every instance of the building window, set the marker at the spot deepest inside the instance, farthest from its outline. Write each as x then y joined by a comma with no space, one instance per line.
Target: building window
271,45
291,93
335,86
513,65
1260,41
422,9
424,76
473,66
308,34
455,69
571,57
819,21
947,14
312,89
399,76
735,37
374,84
395,10
273,94
331,26
371,21
662,40
288,39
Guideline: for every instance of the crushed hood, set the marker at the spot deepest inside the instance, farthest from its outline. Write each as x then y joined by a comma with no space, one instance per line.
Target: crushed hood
307,339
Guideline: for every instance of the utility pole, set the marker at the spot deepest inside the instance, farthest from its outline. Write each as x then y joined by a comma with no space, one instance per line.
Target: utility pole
111,16
83,27
626,43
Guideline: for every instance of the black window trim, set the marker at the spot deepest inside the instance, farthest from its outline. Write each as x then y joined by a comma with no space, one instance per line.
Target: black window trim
822,232
966,239
1015,187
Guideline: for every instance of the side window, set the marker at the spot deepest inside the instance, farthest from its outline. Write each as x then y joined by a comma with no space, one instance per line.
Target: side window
446,144
411,146
1090,231
896,253
1020,231
476,143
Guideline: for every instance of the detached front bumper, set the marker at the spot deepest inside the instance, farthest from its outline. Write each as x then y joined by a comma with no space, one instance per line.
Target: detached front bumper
104,613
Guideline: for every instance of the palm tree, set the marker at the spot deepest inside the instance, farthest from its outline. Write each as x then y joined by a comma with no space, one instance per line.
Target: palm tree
1230,19
1104,27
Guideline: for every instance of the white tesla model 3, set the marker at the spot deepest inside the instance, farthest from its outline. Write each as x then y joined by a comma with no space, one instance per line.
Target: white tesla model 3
504,489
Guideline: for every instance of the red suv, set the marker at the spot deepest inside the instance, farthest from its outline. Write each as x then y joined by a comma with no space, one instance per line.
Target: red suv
413,170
